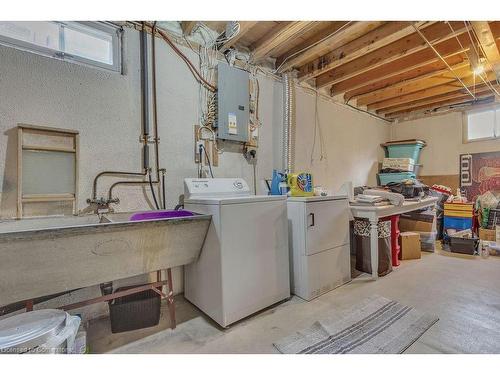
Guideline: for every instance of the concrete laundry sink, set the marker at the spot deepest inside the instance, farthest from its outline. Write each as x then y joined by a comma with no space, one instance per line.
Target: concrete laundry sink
50,255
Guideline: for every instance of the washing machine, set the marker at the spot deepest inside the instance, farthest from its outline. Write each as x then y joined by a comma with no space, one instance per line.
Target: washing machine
243,266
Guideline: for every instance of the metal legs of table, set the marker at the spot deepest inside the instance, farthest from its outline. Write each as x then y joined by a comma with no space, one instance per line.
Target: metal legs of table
374,247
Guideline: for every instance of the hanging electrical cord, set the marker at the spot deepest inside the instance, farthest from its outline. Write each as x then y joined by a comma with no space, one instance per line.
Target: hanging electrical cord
317,128
214,137
163,189
442,59
208,160
153,190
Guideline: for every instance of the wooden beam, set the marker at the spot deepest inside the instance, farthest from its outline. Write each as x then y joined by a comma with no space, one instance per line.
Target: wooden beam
187,27
371,41
447,49
415,85
487,40
436,34
433,91
349,32
245,26
282,34
495,30
425,71
432,107
431,100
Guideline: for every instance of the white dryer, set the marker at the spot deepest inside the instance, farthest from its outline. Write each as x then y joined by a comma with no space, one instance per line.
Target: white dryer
319,244
244,263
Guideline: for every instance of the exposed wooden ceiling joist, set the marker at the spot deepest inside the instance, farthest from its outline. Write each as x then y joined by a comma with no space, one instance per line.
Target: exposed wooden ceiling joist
445,103
436,34
387,67
339,37
414,85
245,27
401,79
404,64
282,34
371,41
483,32
430,101
433,91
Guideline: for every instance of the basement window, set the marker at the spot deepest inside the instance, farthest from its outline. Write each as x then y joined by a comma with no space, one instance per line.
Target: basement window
482,124
96,44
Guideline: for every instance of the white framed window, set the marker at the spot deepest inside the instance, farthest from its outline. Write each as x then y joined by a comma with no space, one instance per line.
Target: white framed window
90,43
482,124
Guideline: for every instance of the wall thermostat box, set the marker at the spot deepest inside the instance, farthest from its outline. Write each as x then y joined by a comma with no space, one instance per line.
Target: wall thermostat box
233,101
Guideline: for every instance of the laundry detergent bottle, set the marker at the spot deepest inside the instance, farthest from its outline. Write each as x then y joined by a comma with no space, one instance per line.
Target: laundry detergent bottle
301,184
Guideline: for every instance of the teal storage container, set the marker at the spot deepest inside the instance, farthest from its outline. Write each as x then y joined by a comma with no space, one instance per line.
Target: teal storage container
409,149
385,178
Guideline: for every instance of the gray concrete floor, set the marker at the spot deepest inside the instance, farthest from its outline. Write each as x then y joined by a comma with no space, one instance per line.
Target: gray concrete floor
463,291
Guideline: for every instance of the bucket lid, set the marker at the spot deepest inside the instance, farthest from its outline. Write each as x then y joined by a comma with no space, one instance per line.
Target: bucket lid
31,329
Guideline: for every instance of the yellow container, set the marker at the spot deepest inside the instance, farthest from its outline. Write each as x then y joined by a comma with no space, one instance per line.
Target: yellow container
301,184
467,207
454,213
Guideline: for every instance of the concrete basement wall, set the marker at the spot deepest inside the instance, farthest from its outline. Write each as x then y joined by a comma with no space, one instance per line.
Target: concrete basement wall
351,142
105,108
443,135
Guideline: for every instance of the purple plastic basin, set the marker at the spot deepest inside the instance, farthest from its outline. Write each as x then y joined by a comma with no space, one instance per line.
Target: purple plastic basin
155,215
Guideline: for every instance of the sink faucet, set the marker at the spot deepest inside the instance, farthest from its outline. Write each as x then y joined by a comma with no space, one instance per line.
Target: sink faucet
102,204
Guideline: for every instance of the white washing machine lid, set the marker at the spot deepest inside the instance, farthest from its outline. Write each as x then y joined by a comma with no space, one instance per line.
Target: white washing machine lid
30,329
236,200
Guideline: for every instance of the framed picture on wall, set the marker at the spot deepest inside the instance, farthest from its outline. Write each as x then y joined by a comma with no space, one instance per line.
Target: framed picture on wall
479,173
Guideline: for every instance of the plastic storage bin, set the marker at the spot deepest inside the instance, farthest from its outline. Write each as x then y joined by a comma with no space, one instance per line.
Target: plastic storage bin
410,149
385,178
463,245
134,311
458,223
428,241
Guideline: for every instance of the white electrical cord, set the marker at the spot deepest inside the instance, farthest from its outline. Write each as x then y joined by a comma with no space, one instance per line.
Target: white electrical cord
317,127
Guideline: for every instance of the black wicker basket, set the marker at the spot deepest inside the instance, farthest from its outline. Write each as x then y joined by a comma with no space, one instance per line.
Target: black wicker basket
135,311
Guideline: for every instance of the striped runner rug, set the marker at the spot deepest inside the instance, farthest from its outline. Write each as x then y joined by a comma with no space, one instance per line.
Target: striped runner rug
376,325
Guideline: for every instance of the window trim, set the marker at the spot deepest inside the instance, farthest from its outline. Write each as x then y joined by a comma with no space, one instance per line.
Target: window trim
465,124
115,32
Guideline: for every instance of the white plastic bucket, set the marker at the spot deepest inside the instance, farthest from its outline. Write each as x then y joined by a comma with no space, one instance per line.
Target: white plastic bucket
46,331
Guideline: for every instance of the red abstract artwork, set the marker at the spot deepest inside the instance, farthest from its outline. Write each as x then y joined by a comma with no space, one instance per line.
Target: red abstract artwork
479,173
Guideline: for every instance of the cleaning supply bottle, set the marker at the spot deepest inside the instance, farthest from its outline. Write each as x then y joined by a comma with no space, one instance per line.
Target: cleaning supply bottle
279,184
301,184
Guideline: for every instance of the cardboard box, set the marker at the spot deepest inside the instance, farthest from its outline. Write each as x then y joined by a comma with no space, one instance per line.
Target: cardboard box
410,246
409,225
487,234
